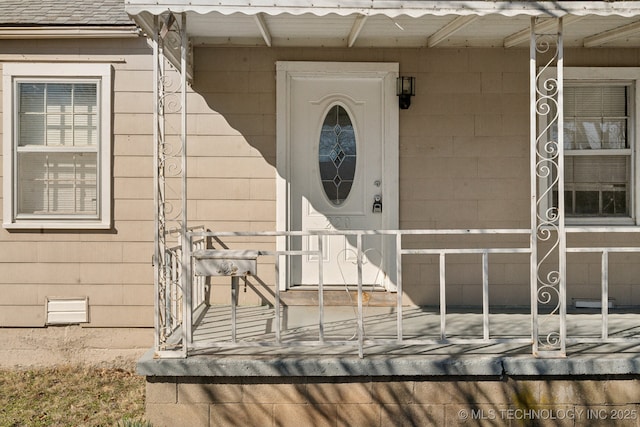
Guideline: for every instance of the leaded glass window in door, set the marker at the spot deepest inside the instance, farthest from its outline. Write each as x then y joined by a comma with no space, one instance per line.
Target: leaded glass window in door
337,155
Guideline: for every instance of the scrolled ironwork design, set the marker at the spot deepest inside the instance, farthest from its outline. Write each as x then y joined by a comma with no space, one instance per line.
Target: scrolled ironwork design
173,165
544,43
547,170
170,152
169,296
551,340
170,102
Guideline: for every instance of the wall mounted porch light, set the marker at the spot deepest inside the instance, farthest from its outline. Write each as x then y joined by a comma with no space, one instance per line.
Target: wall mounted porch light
405,89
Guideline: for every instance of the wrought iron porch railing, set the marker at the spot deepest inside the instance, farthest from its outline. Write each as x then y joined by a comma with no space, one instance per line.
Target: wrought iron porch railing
170,301
182,312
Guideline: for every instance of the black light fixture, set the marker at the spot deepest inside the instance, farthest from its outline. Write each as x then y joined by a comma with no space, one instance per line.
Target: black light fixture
405,89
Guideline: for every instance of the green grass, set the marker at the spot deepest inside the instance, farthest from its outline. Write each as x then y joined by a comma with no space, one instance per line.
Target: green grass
70,396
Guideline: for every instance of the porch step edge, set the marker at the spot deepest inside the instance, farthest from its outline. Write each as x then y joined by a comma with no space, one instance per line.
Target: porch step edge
414,366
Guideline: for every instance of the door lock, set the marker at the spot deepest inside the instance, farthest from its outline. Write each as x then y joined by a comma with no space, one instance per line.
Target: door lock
377,203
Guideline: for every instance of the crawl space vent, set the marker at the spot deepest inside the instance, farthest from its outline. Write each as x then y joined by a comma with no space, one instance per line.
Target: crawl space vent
64,311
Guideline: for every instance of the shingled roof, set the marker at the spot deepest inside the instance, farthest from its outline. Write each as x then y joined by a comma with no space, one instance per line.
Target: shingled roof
63,12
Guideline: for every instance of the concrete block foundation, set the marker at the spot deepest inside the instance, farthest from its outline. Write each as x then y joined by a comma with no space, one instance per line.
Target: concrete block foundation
393,401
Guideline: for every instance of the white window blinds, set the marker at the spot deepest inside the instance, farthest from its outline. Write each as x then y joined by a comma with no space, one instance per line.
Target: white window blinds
597,150
57,148
595,117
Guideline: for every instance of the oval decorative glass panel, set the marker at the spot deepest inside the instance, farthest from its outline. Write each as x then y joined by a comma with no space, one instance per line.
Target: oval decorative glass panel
337,155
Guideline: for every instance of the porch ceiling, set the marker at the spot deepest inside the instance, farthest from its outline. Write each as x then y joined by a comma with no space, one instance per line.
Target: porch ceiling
369,23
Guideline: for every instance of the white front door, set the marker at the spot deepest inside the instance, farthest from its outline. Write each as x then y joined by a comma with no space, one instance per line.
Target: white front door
338,166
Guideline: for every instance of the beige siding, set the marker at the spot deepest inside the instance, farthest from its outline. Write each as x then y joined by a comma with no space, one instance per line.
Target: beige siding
464,155
463,164
112,268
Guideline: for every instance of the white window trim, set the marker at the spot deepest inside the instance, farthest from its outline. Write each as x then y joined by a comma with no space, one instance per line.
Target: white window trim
604,75
11,73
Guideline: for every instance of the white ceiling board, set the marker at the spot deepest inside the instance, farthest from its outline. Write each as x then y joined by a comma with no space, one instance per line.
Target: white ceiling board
217,25
489,31
380,27
592,27
309,26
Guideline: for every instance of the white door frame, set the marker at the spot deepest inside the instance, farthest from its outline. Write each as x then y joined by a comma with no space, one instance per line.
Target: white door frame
285,70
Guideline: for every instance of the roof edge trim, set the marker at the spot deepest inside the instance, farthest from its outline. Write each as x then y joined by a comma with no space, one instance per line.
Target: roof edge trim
391,8
69,32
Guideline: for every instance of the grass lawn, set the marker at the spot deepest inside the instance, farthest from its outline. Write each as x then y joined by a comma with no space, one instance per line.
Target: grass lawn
70,396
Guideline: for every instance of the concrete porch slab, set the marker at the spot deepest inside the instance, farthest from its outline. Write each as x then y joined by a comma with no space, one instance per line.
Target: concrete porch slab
380,366
303,356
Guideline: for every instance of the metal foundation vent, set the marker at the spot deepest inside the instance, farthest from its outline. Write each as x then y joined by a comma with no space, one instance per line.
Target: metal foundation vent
65,311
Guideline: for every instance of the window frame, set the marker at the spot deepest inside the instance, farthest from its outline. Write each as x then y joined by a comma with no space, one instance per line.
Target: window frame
13,75
608,76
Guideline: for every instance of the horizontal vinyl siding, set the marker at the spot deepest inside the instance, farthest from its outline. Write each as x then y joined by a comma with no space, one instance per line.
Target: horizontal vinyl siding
463,164
464,155
112,268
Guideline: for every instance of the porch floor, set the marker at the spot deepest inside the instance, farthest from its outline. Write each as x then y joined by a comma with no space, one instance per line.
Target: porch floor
213,353
255,331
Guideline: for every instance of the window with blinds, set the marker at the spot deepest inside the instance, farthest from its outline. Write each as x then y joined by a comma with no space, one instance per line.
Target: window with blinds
57,146
598,150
